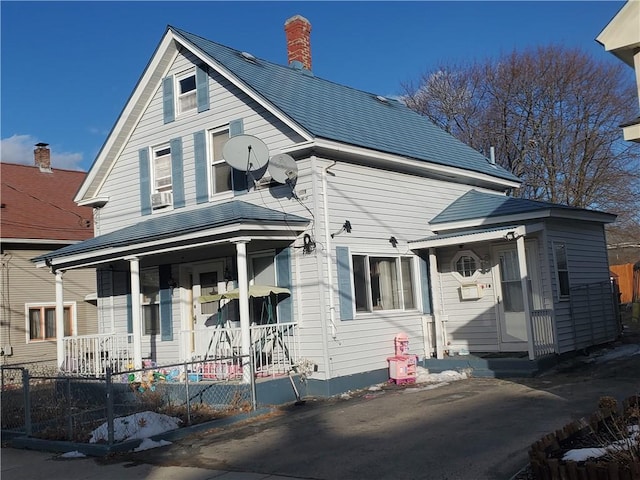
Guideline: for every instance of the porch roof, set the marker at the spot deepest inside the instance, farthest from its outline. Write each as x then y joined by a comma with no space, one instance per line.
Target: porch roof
476,208
506,232
208,224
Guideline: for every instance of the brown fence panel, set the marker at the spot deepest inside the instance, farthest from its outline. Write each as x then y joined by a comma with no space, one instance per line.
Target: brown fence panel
625,281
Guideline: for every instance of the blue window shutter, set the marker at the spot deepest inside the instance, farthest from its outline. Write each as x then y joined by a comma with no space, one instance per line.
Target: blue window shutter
129,306
145,181
345,295
200,159
425,286
202,88
166,313
177,173
236,127
284,279
168,104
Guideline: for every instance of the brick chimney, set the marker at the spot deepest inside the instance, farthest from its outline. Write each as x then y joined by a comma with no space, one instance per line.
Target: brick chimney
298,31
42,156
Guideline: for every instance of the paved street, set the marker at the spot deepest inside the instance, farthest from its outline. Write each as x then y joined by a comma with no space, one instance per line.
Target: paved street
471,429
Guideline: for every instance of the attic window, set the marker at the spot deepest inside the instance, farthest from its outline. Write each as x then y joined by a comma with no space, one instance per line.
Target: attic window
186,88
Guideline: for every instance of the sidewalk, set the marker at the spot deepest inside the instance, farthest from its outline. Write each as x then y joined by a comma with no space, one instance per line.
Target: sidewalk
29,465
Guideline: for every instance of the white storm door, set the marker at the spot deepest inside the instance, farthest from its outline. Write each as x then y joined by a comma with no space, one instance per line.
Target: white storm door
510,303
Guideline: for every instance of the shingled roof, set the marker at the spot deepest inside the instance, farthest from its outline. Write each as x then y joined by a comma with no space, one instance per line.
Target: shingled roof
39,205
336,112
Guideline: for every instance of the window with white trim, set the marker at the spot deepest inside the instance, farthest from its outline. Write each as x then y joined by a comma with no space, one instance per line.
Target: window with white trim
161,169
41,322
221,178
465,266
383,283
562,269
186,92
150,291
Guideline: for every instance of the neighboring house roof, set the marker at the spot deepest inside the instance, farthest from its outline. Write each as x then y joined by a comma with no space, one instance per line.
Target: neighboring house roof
480,206
38,205
174,226
621,36
340,113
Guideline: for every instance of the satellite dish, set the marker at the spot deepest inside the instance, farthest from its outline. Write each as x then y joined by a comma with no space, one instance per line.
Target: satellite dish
245,153
283,168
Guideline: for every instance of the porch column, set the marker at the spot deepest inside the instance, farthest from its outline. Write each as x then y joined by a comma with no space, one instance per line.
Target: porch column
243,291
136,309
59,319
524,278
439,332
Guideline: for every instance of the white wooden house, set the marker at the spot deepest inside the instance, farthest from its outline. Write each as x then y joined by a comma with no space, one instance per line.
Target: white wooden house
391,226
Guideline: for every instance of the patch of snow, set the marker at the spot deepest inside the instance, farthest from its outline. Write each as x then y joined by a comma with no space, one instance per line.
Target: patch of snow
431,386
74,454
375,388
582,454
345,396
148,444
136,426
423,376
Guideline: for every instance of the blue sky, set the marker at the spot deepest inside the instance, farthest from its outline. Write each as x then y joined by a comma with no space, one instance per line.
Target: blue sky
67,68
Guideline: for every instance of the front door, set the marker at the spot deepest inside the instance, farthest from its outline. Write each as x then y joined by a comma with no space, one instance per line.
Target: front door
509,299
208,279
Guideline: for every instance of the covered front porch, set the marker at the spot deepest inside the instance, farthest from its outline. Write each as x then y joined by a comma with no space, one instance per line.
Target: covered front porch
157,287
490,303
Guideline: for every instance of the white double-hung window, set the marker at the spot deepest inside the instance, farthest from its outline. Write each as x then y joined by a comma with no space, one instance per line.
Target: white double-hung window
221,179
186,89
161,168
383,283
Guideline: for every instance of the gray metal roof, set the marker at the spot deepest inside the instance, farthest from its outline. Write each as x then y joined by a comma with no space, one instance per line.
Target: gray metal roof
340,113
476,205
465,233
179,223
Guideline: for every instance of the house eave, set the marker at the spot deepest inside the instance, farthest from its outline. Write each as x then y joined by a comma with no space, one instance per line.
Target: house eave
36,241
212,236
561,213
376,158
507,233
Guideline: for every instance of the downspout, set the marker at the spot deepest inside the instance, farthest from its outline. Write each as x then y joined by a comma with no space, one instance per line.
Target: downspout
327,255
327,242
59,319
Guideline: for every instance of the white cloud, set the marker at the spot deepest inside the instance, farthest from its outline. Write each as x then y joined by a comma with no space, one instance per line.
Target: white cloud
19,149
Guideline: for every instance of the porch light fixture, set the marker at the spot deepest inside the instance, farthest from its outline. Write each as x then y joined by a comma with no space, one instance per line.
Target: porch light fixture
345,228
393,241
509,236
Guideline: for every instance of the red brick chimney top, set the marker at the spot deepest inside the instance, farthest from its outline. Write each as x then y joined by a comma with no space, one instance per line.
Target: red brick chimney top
298,32
42,156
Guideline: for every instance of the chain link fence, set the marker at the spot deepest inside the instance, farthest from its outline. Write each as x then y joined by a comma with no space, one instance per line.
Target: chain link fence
103,410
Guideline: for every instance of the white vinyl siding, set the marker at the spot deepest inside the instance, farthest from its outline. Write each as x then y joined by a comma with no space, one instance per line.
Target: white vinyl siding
230,104
588,264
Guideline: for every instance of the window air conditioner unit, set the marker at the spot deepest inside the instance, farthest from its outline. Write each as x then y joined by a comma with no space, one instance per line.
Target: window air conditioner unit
161,199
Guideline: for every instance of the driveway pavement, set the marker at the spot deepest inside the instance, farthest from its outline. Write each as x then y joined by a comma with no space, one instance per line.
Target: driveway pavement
473,429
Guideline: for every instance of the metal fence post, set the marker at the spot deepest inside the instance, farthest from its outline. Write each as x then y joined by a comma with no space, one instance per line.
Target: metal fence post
69,410
186,387
27,402
109,398
253,380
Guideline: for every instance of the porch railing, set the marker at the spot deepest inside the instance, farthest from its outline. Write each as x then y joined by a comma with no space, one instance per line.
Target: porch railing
543,338
90,355
275,345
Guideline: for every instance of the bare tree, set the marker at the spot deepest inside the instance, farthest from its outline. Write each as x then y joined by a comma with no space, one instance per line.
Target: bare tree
553,116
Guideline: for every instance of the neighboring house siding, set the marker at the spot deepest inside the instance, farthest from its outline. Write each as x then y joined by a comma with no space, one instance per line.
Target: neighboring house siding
470,324
227,104
30,285
588,264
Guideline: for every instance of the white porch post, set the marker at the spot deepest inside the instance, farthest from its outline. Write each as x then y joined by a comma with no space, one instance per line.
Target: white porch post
524,278
243,290
59,319
437,307
136,309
